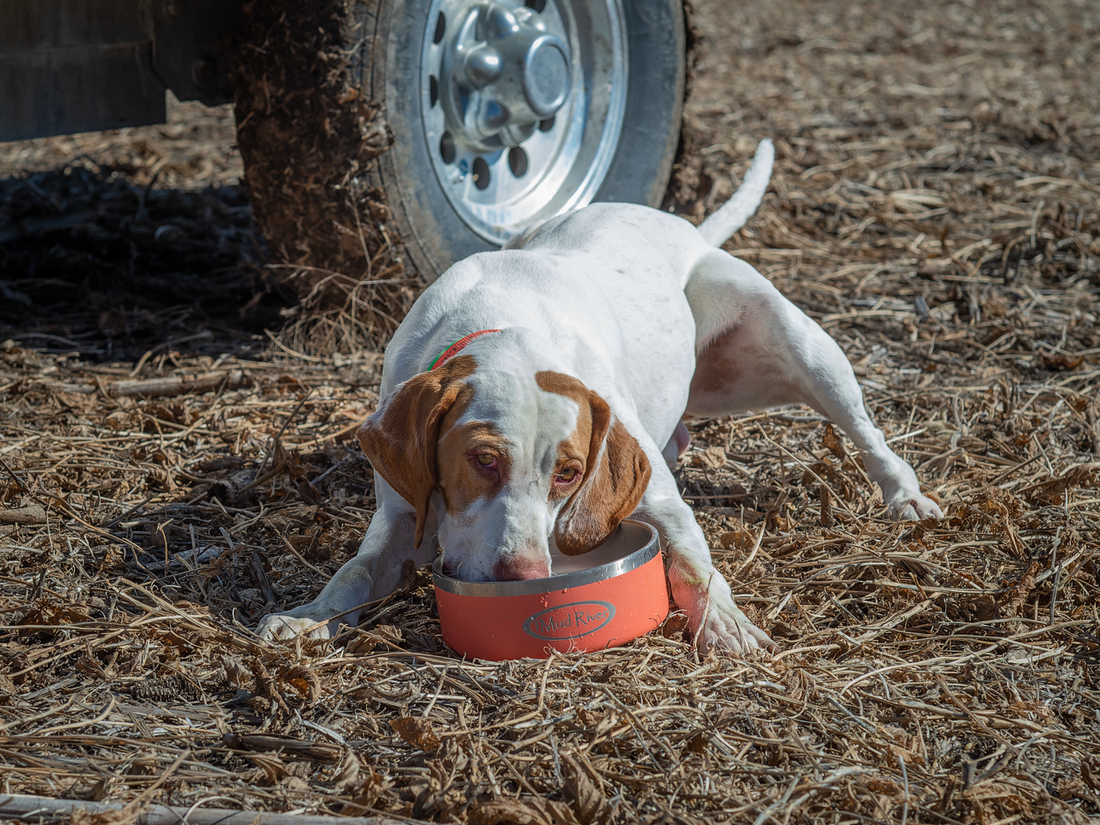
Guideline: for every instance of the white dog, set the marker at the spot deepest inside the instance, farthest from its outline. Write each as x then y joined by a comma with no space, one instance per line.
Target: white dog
532,399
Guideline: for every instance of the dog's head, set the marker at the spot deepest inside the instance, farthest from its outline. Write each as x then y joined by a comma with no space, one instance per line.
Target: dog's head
510,457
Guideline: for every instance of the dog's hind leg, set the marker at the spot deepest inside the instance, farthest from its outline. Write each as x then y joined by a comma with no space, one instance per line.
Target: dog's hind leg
755,349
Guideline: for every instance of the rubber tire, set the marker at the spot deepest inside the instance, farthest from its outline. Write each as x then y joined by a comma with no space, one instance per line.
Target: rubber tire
434,235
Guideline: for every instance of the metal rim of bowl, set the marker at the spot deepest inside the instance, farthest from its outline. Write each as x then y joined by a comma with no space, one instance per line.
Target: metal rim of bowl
532,587
546,167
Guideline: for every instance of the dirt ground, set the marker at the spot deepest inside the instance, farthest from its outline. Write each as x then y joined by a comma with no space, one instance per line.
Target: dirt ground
934,205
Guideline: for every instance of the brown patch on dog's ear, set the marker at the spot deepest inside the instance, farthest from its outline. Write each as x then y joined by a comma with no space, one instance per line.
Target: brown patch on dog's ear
617,473
400,437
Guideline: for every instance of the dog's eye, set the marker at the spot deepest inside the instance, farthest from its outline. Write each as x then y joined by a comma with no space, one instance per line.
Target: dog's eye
486,459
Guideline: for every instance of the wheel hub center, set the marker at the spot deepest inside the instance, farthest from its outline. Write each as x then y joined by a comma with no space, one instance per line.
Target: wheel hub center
502,72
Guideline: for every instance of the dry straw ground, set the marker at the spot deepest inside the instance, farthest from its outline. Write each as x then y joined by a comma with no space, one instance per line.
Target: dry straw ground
934,206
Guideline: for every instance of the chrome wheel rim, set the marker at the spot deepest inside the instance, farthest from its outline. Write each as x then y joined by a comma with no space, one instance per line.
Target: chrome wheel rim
522,106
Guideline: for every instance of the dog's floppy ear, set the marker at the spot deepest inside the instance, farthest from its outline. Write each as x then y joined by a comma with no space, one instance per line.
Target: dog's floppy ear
615,479
400,436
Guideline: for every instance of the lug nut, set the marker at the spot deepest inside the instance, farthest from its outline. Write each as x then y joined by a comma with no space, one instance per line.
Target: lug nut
483,66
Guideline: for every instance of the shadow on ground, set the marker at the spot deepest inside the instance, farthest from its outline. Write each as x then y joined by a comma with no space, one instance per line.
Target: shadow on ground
91,261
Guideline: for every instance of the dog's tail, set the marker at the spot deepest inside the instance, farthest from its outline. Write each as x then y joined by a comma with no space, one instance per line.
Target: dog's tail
735,212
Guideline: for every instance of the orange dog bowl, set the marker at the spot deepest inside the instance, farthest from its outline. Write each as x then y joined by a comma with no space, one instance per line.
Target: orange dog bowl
607,597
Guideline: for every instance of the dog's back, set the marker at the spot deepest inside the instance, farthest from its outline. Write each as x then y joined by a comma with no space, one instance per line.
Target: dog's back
596,283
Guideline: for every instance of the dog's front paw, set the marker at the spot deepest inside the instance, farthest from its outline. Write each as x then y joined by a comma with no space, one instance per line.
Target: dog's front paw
716,623
725,629
914,507
295,623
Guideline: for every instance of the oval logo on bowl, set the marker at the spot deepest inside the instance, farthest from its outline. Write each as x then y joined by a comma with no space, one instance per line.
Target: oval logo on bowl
569,621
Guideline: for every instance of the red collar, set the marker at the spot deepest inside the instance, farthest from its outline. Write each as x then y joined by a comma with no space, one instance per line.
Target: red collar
456,346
